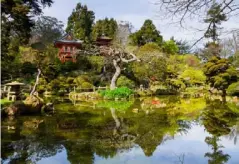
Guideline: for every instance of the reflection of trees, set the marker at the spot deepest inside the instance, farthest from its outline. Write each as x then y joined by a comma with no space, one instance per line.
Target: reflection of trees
29,144
79,152
184,126
233,135
216,156
85,132
151,131
218,118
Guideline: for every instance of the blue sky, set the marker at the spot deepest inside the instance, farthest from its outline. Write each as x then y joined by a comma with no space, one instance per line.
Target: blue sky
135,11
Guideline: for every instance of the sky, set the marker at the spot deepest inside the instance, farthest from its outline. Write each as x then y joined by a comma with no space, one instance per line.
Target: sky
134,11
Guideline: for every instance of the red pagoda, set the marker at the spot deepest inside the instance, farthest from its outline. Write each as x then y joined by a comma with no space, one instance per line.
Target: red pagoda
67,46
103,41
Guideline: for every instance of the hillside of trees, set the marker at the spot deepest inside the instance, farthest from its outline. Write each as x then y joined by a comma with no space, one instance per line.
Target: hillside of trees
163,66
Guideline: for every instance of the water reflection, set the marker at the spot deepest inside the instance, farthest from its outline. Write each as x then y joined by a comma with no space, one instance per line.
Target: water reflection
216,156
114,131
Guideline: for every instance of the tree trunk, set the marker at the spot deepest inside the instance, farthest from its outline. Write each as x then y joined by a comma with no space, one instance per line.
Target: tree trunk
116,75
36,83
117,122
224,93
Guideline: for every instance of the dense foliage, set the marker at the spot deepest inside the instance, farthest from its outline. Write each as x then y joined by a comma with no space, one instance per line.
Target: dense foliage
220,74
170,47
147,33
233,89
122,92
152,65
125,82
163,66
80,22
16,23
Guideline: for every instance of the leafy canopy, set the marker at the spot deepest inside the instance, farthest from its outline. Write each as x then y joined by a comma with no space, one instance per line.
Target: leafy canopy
193,76
152,65
220,74
170,47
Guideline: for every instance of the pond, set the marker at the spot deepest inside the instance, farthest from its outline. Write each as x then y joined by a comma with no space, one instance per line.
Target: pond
166,130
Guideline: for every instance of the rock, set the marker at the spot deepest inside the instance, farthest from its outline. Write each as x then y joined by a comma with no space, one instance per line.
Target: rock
31,105
34,102
15,109
49,107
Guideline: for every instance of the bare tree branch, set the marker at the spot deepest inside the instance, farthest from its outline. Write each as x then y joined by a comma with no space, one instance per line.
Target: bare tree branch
180,10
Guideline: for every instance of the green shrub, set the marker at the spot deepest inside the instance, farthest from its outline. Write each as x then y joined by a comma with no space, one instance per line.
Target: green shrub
86,85
193,76
70,80
233,89
125,82
177,83
97,62
81,79
122,92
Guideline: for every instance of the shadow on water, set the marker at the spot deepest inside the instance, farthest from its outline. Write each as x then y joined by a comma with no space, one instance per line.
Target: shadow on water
89,134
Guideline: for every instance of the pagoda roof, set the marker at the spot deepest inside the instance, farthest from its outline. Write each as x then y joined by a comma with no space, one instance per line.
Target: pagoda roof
14,83
68,38
103,37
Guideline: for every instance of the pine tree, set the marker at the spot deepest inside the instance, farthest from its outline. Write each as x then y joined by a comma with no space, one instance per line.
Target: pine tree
147,33
80,22
220,74
214,18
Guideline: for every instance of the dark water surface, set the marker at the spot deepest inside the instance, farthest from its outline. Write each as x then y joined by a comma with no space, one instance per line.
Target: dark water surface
144,131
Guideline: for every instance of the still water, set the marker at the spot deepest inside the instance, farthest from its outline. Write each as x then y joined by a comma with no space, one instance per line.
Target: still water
166,130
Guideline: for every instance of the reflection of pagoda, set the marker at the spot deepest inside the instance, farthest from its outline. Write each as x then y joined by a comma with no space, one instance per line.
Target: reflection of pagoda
67,46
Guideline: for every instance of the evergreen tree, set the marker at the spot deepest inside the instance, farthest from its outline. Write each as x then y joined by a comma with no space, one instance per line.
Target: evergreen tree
108,27
17,21
216,156
80,22
214,18
183,47
220,74
148,33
